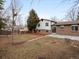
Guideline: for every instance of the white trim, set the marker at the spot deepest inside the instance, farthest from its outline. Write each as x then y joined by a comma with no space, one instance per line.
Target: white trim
74,28
74,25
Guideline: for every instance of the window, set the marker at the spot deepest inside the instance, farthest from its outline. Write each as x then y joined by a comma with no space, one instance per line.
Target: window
62,26
74,27
42,19
47,24
38,25
39,30
46,30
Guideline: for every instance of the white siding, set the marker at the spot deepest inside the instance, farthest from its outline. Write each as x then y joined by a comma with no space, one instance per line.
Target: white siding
43,25
52,23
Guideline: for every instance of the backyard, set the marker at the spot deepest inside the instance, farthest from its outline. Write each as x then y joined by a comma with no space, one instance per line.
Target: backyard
25,47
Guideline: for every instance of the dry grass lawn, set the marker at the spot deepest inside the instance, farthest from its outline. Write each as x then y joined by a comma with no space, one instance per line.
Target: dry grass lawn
6,40
45,48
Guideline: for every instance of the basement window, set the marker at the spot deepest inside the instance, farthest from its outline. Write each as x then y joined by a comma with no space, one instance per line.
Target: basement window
74,28
39,30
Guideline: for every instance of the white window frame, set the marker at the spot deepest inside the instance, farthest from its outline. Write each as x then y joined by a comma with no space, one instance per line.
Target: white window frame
39,25
74,28
46,24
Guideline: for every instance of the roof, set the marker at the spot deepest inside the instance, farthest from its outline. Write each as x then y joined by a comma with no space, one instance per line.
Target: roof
68,23
48,20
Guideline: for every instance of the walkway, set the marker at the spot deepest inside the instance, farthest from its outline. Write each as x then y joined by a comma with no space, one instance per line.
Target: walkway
36,38
64,36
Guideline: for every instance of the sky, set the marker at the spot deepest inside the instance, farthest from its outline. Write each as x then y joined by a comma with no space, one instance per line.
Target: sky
46,9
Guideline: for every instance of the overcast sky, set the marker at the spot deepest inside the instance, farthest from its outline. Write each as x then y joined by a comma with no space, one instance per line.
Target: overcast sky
44,8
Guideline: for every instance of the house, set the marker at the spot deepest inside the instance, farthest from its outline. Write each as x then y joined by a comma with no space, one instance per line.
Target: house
67,28
44,26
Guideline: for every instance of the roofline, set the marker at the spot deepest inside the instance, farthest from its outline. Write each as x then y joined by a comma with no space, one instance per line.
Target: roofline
66,24
48,20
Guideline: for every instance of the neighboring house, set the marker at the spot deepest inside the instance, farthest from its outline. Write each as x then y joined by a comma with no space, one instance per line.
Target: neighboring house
67,28
44,26
24,29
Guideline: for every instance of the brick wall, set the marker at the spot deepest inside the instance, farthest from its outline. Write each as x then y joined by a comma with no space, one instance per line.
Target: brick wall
67,30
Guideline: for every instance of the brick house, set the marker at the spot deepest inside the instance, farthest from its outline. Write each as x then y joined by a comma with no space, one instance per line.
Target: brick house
67,28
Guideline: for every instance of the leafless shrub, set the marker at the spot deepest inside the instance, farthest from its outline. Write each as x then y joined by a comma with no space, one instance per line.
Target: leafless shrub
67,41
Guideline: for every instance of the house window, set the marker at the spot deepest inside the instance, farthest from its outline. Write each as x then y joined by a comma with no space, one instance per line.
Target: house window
47,24
62,26
74,27
39,30
46,30
38,25
42,19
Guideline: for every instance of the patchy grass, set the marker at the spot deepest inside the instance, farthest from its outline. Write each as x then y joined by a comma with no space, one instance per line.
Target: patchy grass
45,48
6,40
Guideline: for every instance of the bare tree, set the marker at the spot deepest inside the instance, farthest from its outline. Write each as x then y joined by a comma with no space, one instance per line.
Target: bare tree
11,13
54,18
74,10
72,14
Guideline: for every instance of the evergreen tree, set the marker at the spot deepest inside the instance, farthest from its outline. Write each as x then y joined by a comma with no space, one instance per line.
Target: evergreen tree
1,4
2,20
32,21
2,23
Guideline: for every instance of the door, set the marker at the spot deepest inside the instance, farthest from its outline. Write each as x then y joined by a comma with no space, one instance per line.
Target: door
54,29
